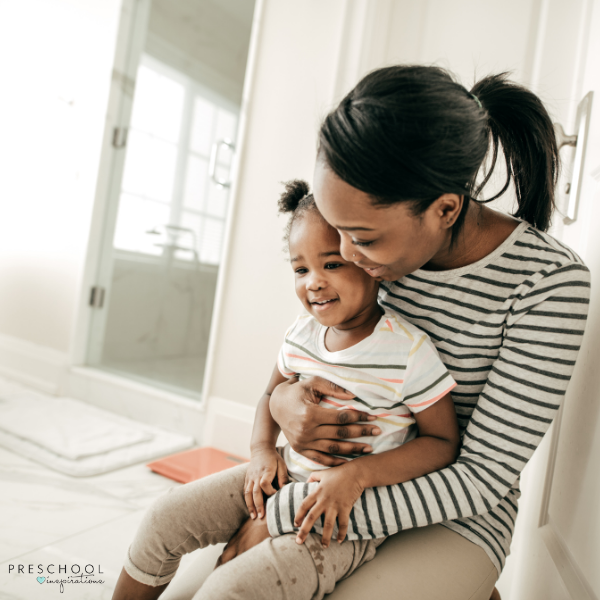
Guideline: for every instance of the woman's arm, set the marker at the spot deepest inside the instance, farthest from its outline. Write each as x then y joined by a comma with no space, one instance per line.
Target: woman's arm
524,389
314,431
436,447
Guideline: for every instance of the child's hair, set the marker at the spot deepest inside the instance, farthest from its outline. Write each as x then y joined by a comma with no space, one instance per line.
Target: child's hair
296,200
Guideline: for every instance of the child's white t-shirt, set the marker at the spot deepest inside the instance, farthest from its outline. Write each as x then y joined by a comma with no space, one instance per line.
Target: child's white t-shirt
393,373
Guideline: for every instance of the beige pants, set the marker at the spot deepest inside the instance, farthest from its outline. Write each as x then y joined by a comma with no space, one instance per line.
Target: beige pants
211,510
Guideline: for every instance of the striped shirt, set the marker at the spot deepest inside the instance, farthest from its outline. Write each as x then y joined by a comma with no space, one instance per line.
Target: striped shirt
508,328
393,373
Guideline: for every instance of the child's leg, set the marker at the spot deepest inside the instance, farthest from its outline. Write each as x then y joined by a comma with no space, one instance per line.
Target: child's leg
278,569
195,515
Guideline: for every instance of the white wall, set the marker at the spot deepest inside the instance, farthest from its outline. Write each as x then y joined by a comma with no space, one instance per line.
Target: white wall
56,60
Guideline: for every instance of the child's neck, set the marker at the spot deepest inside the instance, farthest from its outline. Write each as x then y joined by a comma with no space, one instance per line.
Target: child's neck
355,330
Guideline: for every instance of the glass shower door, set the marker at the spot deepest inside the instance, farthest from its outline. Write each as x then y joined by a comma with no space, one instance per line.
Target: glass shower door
160,265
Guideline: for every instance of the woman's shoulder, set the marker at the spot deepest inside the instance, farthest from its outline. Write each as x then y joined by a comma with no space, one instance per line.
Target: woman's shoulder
537,245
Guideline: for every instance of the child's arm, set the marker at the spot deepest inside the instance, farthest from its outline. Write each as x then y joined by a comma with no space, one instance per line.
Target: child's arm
436,447
265,461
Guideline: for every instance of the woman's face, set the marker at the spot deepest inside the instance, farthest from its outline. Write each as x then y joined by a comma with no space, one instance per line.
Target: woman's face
387,242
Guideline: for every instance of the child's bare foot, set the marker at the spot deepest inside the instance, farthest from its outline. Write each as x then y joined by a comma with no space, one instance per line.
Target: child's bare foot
495,595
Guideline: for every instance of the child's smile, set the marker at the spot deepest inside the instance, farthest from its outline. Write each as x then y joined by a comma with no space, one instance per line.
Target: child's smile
334,291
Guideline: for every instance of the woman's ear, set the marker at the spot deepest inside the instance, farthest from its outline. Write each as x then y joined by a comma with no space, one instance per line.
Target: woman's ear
447,208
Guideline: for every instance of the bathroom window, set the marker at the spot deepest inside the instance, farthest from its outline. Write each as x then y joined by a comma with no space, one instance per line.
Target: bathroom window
169,205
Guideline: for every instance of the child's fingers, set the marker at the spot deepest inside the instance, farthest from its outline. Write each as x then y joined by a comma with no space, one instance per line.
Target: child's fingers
315,476
330,516
307,524
306,505
248,497
282,474
266,484
257,496
343,527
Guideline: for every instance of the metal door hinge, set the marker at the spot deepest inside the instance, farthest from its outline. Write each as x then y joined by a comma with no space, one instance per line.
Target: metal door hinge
97,297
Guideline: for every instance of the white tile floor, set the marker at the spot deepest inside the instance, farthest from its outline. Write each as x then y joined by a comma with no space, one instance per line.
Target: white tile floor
50,518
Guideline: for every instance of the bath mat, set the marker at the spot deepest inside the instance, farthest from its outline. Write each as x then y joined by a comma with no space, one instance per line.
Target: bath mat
76,438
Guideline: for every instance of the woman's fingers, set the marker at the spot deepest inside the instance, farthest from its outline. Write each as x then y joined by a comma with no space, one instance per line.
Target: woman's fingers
248,497
322,387
307,524
338,447
323,459
343,432
326,416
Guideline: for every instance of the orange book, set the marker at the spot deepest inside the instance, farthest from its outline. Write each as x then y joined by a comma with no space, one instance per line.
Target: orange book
194,464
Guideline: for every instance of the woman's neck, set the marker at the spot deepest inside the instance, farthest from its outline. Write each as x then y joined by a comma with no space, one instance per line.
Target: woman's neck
483,231
353,331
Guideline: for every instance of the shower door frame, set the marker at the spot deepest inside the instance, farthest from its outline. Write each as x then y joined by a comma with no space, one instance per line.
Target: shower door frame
131,35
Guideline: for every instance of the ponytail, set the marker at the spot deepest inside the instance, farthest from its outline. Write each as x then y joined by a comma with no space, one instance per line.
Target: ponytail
412,134
520,124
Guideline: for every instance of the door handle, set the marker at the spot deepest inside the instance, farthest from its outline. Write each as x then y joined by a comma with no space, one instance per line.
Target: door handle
214,156
579,141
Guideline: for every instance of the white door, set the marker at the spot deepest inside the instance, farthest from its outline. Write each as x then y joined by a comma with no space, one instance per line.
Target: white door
556,554
552,46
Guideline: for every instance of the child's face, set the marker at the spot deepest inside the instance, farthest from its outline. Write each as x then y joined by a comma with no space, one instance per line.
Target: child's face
333,290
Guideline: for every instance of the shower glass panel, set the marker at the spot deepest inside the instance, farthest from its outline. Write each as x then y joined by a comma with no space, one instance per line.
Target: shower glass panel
164,242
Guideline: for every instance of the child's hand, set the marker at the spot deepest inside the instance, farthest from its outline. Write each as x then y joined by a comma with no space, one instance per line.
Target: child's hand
265,465
338,490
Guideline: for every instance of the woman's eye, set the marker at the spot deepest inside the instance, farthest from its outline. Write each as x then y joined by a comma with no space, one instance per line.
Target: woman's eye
362,244
333,265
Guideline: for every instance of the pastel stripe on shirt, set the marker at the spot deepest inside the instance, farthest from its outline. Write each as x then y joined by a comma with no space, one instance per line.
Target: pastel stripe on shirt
508,328
393,373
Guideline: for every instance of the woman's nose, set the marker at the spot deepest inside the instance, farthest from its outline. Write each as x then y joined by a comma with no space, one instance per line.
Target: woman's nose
348,250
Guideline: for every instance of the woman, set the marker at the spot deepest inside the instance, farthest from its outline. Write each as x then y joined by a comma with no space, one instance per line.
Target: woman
504,303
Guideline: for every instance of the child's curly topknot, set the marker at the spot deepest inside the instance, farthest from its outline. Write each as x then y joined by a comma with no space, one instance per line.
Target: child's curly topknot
296,200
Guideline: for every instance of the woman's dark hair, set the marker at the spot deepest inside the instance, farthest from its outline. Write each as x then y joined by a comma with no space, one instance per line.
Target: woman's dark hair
296,200
412,133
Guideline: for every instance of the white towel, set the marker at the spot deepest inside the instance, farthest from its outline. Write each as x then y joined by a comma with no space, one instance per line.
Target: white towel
67,427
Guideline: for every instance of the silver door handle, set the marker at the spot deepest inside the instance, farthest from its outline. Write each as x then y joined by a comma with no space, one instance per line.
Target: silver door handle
214,155
579,141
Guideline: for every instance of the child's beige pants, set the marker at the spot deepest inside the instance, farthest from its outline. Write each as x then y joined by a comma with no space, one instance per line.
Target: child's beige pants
211,510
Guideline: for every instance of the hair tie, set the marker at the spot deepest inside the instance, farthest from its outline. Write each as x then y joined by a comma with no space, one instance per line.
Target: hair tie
476,100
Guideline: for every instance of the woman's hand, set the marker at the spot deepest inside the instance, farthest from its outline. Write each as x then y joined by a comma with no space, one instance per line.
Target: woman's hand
339,488
265,465
250,534
315,431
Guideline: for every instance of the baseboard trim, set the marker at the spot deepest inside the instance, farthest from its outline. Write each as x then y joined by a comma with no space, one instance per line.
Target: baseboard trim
137,401
229,425
35,366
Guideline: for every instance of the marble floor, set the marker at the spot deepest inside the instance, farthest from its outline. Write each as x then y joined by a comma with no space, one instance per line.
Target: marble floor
50,518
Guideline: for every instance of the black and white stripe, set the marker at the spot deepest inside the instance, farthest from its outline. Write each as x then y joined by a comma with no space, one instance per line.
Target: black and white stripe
508,328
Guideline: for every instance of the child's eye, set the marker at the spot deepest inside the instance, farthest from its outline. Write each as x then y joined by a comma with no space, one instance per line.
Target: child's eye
362,244
301,271
333,265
